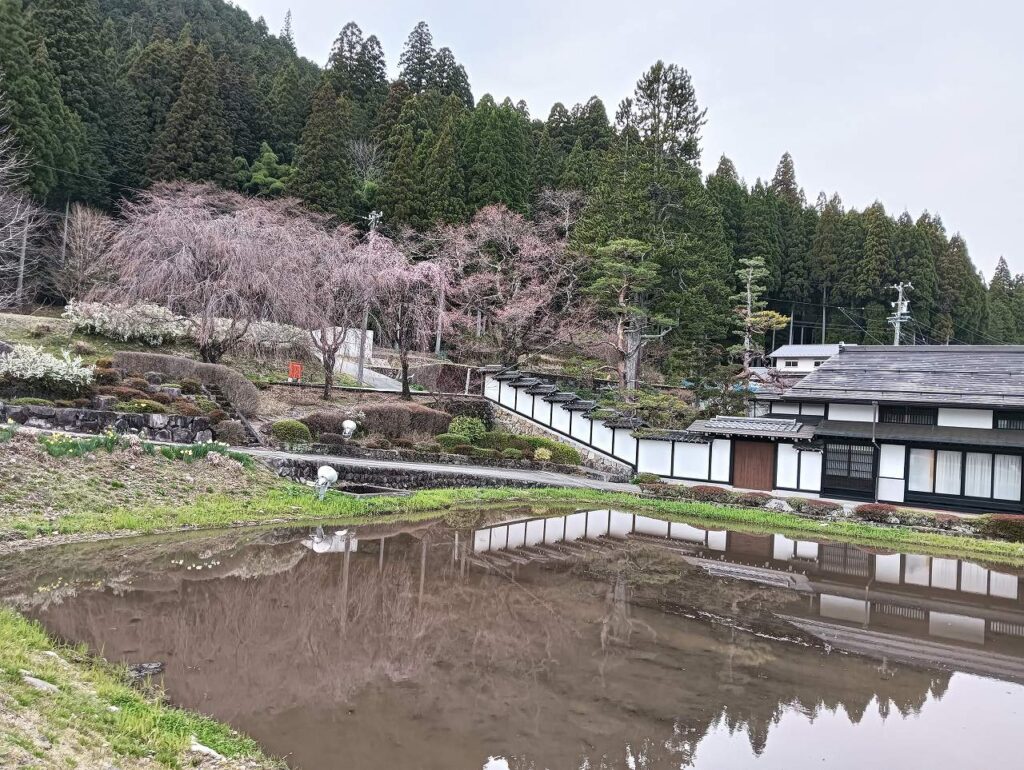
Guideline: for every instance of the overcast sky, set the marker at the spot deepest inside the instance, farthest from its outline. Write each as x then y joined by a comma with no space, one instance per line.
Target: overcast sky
917,104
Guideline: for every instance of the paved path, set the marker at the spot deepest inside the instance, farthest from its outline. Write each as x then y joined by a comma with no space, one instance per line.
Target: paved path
512,474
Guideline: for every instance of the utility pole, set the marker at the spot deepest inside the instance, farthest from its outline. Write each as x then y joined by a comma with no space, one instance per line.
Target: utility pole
901,310
21,267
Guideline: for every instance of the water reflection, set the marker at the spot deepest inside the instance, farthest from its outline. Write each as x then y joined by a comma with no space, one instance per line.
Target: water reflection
596,639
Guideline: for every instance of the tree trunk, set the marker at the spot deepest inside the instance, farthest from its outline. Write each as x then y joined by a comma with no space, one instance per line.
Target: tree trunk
403,356
329,357
634,342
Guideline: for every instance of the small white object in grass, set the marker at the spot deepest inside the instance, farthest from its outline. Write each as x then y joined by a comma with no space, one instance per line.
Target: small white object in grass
198,748
37,683
349,428
326,477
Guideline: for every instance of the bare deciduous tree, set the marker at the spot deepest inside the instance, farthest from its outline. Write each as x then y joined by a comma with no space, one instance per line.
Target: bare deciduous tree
20,222
367,157
219,260
78,263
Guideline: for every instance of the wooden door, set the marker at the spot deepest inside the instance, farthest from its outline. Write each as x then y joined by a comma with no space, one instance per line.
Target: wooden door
754,465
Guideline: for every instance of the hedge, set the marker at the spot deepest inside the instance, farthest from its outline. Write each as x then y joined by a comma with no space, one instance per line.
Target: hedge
239,391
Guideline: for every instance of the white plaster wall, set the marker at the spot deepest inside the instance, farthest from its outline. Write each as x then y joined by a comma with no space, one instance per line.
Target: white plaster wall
786,462
602,436
717,540
782,547
891,460
1003,585
480,540
516,534
622,524
813,409
581,428
785,407
965,418
525,402
534,532
720,449
843,608
542,411
597,523
508,395
559,418
887,568
852,412
890,490
810,471
575,524
691,461
688,533
491,388
647,526
625,444
655,457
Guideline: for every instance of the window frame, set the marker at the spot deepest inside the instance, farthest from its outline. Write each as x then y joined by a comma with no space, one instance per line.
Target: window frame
1010,415
927,415
989,501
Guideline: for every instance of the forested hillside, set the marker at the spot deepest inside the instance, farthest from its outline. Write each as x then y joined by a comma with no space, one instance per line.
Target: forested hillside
107,97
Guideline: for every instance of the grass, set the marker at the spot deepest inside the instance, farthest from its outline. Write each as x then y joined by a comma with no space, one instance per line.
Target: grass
94,719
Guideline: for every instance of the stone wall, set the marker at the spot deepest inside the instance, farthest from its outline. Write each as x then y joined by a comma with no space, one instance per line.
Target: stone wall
508,420
157,427
395,477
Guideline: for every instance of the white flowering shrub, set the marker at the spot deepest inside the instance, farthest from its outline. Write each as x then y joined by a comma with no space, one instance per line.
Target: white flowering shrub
149,324
34,368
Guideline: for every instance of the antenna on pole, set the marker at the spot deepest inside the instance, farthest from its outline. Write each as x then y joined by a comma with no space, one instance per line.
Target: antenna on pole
901,310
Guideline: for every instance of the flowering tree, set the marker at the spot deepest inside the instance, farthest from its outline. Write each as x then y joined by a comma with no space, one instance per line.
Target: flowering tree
20,220
406,300
516,282
215,258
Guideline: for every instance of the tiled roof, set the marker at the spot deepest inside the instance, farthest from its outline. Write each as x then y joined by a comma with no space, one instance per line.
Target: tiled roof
664,434
806,351
537,390
768,427
930,434
581,406
512,374
957,375
525,382
622,421
561,397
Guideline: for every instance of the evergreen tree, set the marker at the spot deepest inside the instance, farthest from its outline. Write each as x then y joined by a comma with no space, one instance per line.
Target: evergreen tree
417,60
730,195
875,269
267,177
546,165
449,78
784,182
496,157
666,114
826,247
323,175
287,35
194,144
155,75
245,113
561,129
762,234
398,195
289,105
916,264
577,173
356,67
1002,323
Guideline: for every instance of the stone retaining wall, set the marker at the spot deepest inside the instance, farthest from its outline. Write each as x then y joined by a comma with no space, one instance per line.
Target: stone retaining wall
394,477
158,427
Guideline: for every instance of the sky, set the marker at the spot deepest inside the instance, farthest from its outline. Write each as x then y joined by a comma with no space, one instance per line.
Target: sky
916,104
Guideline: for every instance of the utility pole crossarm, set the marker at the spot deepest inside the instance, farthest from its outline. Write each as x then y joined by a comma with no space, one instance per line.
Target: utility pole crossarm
901,310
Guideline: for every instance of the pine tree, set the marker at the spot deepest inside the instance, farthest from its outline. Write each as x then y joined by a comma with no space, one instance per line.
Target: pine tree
417,60
667,115
323,175
194,143
287,35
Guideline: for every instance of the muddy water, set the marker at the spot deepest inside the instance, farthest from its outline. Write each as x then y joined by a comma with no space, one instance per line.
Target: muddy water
596,640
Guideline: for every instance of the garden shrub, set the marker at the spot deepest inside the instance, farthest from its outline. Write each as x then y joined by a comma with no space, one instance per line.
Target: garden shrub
429,447
160,398
217,416
512,453
30,367
231,432
500,441
191,387
449,440
142,406
187,409
239,391
149,324
205,405
30,401
139,383
104,363
562,454
40,330
122,393
485,453
401,420
82,348
106,376
543,455
752,499
706,493
378,443
290,432
819,507
81,403
647,478
331,439
1001,526
471,427
876,512
464,449
401,443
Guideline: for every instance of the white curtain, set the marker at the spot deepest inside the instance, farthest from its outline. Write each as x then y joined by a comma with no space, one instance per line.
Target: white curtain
1007,477
922,470
947,473
978,475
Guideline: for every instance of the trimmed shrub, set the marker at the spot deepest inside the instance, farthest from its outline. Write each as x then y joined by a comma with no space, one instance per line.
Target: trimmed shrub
28,401
104,363
142,406
464,449
486,453
501,441
673,491
106,376
647,478
40,330
81,403
560,453
429,447
402,420
290,432
82,348
752,499
122,393
331,439
187,409
149,324
401,443
711,494
543,455
191,387
512,454
230,432
205,405
819,508
239,391
1001,526
216,416
876,512
139,383
450,440
471,427
378,443
160,398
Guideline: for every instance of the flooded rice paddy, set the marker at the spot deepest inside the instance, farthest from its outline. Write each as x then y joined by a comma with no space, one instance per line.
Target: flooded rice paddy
598,639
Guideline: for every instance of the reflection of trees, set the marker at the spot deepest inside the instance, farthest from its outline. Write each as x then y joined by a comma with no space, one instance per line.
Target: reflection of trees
626,659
